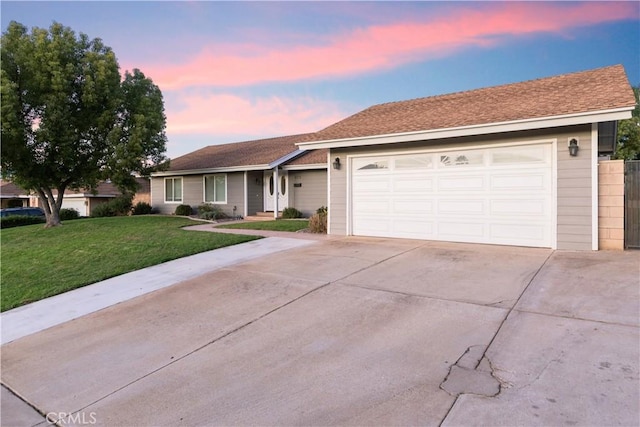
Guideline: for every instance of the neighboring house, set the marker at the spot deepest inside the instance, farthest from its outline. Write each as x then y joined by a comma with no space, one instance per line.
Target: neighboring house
245,178
12,196
492,165
83,201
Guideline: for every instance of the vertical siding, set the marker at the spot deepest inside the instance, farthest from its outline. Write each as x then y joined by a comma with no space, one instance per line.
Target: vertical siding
338,195
574,191
312,192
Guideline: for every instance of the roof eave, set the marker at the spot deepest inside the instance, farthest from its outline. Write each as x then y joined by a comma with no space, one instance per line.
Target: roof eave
210,170
305,167
483,129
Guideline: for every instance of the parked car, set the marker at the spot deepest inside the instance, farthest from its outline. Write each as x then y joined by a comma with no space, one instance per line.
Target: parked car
22,211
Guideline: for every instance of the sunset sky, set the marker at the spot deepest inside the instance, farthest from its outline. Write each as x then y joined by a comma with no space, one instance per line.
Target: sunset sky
232,71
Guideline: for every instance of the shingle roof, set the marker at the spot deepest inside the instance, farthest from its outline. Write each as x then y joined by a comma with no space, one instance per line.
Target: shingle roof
595,90
238,154
312,157
8,190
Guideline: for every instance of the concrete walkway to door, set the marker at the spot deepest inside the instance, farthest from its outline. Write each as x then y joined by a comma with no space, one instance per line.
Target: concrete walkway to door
352,331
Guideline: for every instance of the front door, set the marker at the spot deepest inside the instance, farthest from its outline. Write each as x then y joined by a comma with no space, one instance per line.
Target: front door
270,189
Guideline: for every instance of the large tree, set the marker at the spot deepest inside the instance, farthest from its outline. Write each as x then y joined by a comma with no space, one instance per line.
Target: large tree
629,133
69,120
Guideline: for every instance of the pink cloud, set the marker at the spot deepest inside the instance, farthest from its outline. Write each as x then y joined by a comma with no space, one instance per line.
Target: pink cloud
381,46
226,114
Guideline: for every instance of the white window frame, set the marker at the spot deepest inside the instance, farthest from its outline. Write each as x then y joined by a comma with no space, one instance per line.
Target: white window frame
164,189
204,189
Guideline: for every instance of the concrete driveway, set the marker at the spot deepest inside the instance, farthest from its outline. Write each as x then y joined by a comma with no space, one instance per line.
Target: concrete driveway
351,332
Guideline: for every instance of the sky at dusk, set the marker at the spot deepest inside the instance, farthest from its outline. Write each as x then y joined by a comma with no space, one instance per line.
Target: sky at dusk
232,71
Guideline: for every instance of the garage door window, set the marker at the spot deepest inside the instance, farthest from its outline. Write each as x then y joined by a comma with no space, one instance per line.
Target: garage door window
365,164
464,158
419,161
518,155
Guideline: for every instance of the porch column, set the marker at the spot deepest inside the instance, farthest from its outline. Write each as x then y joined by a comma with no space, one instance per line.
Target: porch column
275,193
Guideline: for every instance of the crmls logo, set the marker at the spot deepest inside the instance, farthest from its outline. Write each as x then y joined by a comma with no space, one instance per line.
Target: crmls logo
80,418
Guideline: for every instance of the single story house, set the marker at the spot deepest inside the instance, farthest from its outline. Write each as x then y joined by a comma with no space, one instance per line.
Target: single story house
12,196
514,165
245,178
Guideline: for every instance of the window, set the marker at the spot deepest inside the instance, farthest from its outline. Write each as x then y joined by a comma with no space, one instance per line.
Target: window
173,190
367,164
465,158
414,161
215,188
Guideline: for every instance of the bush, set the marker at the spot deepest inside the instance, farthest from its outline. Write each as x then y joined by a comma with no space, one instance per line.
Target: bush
67,214
20,220
210,212
184,210
142,208
322,210
118,206
318,223
289,213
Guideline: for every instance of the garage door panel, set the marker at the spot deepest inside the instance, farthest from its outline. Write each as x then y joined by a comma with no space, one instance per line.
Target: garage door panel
513,232
460,228
448,183
528,181
409,184
490,195
519,207
371,184
417,206
461,207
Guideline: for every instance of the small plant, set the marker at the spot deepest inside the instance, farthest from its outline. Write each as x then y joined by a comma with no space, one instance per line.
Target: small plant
322,210
318,223
184,210
118,206
210,212
20,220
142,208
67,214
290,213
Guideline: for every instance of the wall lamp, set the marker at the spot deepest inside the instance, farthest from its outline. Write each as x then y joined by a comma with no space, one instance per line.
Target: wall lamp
336,163
573,147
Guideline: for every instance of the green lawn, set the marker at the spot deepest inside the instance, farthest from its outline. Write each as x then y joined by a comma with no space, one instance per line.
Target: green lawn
279,225
38,262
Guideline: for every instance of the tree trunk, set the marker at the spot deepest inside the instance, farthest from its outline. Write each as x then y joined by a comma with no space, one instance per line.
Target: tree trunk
51,206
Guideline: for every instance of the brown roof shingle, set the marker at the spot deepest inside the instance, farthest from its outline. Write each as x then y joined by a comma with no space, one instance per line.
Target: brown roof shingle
595,90
237,154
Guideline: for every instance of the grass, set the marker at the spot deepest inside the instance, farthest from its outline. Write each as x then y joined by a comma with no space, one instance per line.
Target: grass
39,263
279,225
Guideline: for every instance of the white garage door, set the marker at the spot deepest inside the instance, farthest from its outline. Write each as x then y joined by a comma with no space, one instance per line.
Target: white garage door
77,204
492,195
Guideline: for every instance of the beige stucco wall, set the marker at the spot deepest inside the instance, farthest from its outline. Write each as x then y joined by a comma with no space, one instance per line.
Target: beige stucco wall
574,183
611,204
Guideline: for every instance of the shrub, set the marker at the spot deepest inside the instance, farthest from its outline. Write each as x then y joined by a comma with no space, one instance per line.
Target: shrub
142,208
118,206
322,210
210,212
318,223
288,213
67,214
20,220
184,210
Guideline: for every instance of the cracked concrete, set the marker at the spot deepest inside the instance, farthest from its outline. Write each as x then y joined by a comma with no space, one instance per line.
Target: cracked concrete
351,332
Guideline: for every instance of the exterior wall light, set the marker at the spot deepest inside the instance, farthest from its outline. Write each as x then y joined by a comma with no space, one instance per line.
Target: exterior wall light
336,163
573,147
